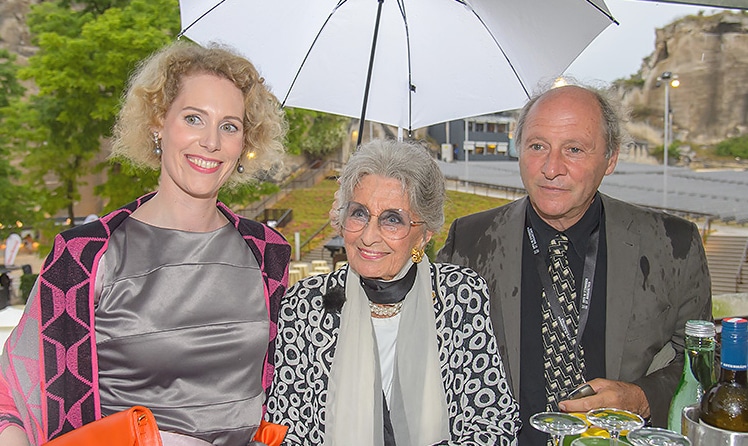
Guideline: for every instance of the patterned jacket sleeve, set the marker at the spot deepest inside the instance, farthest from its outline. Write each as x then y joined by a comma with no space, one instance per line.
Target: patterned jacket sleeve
19,363
303,357
481,407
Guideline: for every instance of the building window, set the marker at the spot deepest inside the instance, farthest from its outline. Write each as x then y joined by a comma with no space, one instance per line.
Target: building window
477,126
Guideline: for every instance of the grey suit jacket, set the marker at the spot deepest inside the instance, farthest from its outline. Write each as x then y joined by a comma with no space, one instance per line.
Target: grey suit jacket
657,280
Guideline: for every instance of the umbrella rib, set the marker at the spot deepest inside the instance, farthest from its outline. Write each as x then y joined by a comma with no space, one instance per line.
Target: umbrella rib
369,71
603,12
411,87
498,45
181,33
309,51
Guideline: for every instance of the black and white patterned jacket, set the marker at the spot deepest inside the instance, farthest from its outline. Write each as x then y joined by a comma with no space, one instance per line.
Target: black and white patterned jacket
481,408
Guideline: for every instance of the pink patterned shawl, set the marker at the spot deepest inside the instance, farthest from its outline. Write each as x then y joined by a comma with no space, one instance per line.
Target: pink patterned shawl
49,379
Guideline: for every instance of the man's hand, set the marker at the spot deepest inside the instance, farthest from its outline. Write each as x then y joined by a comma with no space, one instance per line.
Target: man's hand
618,394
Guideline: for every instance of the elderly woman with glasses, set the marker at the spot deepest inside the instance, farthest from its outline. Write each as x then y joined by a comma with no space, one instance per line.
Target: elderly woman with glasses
390,349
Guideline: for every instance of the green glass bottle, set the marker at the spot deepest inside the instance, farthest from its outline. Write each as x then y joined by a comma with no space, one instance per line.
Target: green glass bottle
725,404
698,370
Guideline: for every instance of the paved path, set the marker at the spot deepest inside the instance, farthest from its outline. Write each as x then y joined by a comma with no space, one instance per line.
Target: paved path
723,194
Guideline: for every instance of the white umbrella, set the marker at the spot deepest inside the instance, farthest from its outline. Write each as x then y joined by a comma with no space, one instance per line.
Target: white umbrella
433,60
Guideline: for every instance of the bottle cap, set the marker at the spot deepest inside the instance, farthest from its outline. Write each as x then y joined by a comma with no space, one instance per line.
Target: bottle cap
700,329
734,325
734,344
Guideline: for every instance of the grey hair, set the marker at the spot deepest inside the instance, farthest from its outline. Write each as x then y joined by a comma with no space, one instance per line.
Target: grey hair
612,113
408,162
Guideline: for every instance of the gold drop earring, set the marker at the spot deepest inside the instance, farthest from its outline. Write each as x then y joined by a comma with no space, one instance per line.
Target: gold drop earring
417,254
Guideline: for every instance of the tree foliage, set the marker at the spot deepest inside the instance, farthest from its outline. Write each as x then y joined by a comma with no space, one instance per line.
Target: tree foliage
9,85
737,147
673,152
314,133
86,52
15,205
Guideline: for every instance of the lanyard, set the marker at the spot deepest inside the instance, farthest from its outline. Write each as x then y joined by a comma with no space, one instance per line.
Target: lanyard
588,277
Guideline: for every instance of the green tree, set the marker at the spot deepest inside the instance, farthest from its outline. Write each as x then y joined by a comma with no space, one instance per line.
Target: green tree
672,151
314,133
86,52
9,86
737,147
15,204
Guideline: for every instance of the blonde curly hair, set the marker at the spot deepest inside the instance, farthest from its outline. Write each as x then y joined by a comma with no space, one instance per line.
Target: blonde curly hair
155,85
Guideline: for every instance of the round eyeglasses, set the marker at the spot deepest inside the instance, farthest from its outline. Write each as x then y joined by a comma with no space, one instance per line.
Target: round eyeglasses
394,224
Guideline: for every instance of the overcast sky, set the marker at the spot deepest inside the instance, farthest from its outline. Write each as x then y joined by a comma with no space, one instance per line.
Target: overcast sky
618,51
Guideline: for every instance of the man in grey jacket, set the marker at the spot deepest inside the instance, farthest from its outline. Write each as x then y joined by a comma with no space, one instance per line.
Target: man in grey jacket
638,275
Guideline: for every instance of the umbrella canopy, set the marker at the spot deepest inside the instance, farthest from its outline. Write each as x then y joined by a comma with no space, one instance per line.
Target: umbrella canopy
433,60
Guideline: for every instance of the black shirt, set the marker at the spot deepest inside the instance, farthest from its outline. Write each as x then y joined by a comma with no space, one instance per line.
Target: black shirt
532,397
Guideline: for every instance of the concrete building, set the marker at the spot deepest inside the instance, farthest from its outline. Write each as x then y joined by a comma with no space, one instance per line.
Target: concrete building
484,138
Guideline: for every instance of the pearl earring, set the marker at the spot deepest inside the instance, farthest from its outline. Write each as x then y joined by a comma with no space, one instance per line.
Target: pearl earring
157,141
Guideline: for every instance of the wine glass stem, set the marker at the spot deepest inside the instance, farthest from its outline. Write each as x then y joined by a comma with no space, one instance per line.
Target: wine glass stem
614,438
556,439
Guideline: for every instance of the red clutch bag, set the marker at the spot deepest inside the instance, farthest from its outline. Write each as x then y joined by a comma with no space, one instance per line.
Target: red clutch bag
135,426
270,433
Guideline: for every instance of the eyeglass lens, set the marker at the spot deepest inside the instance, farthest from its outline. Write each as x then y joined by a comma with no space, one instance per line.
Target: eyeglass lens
394,223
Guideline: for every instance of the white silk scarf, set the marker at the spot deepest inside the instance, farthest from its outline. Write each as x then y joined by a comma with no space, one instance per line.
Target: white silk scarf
354,411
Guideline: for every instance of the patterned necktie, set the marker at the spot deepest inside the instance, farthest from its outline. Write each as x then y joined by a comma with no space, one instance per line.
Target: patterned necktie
563,369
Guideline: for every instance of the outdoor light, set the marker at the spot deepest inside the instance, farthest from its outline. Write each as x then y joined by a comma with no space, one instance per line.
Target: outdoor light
670,80
560,82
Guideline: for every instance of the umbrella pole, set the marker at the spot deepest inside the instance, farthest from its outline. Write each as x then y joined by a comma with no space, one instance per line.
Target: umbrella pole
368,74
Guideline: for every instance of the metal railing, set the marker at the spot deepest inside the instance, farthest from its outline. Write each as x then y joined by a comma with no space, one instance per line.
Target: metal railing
304,246
277,218
486,189
739,274
311,174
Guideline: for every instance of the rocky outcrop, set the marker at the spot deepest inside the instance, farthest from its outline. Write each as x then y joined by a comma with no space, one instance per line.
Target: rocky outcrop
709,54
14,34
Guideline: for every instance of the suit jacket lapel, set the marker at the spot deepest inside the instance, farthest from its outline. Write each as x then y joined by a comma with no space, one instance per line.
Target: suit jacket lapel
508,260
622,260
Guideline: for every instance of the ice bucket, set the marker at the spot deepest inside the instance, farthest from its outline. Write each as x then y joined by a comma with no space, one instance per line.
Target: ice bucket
702,434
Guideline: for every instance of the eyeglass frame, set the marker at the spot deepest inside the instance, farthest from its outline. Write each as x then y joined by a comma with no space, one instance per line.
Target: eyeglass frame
385,234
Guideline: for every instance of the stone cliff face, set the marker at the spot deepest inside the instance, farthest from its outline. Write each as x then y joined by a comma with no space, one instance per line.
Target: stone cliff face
14,34
709,54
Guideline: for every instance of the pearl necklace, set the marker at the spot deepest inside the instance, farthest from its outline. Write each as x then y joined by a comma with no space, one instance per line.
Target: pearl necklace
383,311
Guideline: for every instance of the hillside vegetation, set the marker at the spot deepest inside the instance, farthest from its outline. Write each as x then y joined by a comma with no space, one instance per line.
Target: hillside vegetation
312,205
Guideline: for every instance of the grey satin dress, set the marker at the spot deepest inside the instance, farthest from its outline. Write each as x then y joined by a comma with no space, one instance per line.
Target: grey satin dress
182,328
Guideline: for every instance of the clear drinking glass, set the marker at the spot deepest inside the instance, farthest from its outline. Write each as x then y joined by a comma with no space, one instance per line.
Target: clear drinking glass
615,421
558,425
591,441
655,436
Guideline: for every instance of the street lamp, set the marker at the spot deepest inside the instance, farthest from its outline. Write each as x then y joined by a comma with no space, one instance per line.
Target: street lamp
670,80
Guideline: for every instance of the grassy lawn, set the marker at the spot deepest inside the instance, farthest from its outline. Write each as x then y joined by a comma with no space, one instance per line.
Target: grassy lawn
311,206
